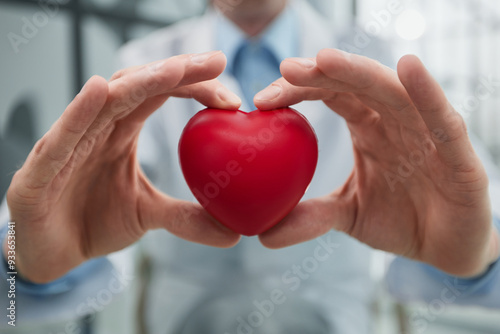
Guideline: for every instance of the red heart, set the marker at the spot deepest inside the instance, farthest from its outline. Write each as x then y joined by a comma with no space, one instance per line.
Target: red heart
248,170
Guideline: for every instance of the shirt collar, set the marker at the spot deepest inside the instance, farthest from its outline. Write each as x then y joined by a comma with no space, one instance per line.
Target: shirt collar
281,37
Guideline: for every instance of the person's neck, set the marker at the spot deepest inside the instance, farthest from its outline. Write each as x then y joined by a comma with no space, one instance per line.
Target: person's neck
253,16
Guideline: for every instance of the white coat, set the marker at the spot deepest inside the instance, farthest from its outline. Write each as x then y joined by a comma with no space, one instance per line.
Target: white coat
184,274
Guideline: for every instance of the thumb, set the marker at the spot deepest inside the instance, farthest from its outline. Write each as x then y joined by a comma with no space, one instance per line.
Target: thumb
184,219
309,220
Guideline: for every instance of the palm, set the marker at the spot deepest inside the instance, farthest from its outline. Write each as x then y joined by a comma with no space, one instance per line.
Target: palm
417,188
103,198
406,200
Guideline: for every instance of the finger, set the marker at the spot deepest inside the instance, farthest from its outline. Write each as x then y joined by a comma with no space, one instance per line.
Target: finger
366,76
134,121
133,89
154,66
53,151
305,72
310,219
210,93
447,126
186,220
125,71
376,85
281,93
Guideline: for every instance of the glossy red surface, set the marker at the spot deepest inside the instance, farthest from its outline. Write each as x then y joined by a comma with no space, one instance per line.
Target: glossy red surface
248,170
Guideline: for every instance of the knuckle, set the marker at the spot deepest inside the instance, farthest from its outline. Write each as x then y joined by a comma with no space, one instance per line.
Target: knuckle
172,73
84,148
118,74
74,129
455,127
172,79
39,146
58,155
127,97
42,149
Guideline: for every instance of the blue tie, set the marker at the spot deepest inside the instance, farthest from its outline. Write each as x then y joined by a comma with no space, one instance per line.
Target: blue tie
254,67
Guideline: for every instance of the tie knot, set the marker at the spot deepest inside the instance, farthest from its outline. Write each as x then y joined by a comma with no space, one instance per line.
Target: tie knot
255,67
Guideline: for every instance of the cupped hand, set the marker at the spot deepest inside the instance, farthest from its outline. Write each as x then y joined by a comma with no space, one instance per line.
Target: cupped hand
417,188
81,192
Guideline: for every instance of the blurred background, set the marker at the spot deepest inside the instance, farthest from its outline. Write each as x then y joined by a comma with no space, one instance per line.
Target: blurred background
50,48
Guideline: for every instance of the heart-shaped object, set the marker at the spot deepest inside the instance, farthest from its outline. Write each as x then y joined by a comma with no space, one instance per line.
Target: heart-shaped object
248,170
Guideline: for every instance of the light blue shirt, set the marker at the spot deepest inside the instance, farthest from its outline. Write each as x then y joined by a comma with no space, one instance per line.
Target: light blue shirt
410,280
254,61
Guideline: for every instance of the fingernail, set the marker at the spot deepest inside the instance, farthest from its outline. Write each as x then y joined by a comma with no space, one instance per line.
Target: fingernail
304,62
268,94
226,95
202,57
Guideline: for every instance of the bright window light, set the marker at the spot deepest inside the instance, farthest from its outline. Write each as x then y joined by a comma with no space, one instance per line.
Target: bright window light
410,25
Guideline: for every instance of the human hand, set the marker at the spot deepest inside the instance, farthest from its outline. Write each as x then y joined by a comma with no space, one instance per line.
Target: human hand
81,192
417,189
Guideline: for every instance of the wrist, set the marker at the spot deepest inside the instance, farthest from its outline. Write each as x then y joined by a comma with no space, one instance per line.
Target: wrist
50,287
495,241
11,258
10,255
492,253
